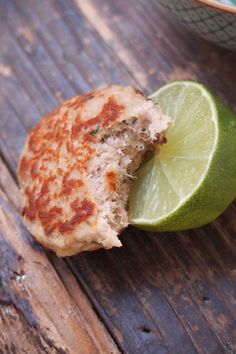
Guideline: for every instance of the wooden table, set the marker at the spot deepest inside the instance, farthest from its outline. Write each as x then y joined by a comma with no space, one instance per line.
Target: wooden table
159,293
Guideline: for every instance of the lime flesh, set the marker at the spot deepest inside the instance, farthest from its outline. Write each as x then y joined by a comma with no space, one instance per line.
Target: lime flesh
190,180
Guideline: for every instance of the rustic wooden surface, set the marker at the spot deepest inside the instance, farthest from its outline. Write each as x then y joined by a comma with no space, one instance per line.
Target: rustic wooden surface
160,293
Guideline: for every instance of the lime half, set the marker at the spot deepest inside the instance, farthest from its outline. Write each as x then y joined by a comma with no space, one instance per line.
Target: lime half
192,178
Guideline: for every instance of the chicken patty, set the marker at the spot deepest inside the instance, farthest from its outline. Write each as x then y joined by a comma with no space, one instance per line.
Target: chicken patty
77,164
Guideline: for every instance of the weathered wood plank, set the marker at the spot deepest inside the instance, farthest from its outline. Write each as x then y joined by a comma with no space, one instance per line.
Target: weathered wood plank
193,57
34,301
9,187
15,336
12,134
152,278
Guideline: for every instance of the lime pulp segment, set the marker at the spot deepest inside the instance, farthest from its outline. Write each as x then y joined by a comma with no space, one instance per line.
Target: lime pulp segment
166,181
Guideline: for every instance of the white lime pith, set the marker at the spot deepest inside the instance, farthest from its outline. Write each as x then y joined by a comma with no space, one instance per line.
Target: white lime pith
192,179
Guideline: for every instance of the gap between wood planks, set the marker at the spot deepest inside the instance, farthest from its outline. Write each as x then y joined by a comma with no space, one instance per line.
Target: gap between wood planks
47,302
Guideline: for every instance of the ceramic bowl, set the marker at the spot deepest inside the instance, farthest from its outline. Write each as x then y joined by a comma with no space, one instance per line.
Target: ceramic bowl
213,20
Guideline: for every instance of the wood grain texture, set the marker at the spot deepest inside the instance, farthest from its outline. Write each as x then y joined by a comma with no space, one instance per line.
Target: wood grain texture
160,293
36,303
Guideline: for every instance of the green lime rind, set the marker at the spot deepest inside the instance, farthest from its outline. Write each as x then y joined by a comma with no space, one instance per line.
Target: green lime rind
218,186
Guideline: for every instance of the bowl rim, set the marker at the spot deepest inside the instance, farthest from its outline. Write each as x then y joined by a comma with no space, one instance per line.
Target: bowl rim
219,6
